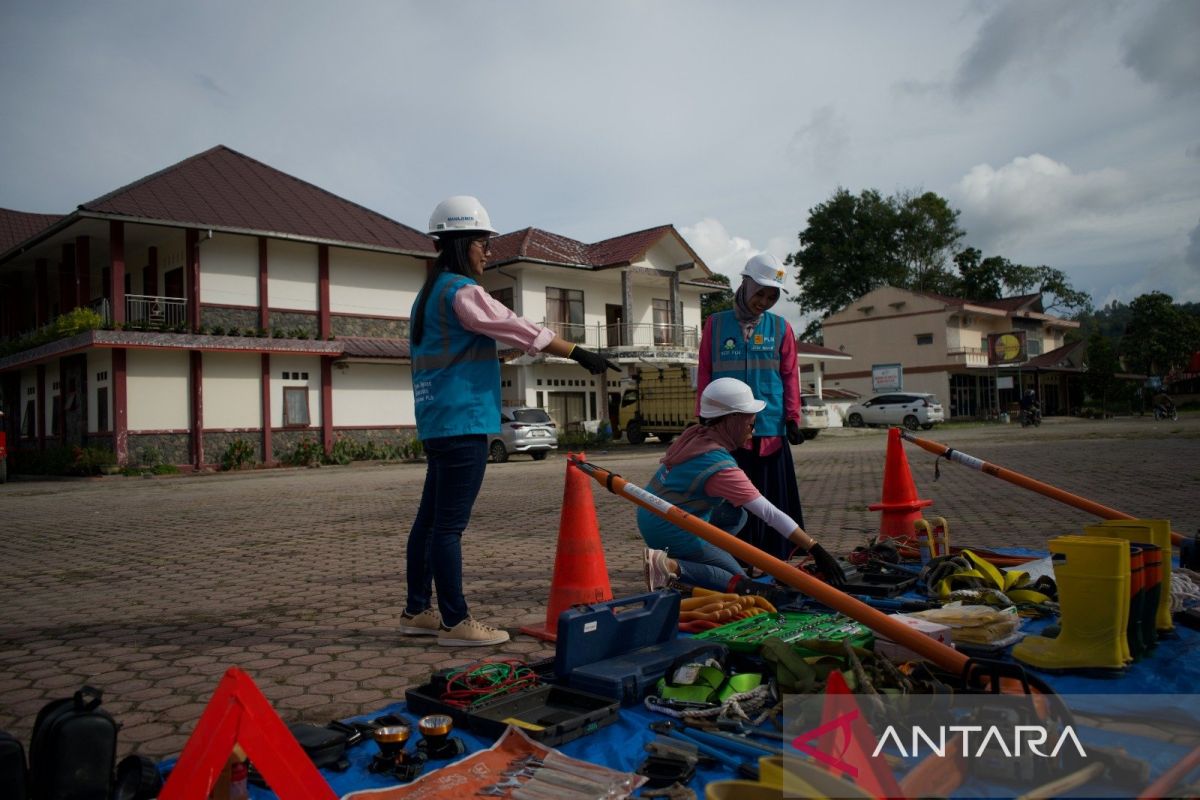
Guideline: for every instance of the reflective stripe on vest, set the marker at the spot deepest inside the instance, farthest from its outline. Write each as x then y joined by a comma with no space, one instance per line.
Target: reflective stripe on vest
456,373
755,362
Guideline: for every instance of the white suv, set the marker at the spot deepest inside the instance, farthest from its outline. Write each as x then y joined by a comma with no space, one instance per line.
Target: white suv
523,430
813,415
910,409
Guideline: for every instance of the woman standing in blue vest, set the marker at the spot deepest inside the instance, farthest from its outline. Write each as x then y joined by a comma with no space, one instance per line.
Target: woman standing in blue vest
698,474
456,390
759,348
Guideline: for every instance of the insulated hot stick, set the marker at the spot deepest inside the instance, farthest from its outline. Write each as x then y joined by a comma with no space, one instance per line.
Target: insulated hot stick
945,657
1024,481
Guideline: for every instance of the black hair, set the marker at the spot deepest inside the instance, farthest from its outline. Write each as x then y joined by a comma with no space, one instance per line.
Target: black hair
452,257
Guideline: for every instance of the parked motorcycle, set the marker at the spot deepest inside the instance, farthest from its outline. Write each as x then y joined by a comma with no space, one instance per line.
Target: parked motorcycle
1166,412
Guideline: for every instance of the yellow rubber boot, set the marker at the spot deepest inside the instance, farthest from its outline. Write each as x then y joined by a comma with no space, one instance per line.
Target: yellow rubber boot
1093,595
1159,534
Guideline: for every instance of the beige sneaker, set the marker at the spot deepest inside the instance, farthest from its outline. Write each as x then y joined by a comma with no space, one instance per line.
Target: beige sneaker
471,633
427,623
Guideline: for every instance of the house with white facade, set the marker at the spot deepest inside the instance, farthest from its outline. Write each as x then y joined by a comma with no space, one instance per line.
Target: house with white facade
239,302
941,346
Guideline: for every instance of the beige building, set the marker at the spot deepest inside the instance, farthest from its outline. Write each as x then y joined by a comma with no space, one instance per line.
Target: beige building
941,346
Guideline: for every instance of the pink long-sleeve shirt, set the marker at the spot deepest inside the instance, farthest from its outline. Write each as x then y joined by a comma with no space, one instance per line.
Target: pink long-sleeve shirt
789,372
481,313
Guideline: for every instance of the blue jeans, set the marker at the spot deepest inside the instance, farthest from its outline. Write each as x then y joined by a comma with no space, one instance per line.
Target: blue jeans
709,567
434,556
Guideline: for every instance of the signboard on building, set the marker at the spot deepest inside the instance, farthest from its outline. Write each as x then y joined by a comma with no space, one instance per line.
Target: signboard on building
1007,348
887,377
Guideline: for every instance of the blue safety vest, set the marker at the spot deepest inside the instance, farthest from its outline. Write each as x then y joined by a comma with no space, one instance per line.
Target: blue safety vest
755,362
683,486
456,373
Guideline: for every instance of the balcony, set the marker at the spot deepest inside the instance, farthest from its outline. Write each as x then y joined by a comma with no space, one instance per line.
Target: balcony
968,356
148,312
635,342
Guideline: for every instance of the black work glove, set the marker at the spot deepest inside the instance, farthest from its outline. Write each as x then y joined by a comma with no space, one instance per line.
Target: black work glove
794,434
828,566
592,362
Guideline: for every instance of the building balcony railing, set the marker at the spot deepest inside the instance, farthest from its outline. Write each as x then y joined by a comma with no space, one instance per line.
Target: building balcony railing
152,312
968,356
630,340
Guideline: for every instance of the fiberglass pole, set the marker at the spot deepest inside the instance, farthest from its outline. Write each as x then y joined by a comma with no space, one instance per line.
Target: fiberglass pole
1024,481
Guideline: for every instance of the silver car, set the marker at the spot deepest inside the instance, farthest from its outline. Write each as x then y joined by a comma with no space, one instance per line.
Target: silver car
523,430
910,409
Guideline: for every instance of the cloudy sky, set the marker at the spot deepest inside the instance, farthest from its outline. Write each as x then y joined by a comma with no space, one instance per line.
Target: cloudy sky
1067,133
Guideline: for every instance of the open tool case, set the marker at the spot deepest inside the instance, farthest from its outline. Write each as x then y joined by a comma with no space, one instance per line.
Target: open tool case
619,649
747,635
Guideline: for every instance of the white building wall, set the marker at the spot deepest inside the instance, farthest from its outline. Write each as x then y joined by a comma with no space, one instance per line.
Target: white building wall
373,395
229,270
232,390
99,378
157,387
372,284
299,371
292,275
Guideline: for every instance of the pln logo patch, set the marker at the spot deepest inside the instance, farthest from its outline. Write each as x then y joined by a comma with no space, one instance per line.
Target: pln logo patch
729,344
758,339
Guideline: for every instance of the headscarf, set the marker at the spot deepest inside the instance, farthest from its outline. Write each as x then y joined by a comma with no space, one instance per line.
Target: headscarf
741,302
720,434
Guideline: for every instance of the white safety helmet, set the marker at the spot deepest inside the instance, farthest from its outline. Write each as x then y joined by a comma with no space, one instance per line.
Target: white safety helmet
728,396
765,270
460,214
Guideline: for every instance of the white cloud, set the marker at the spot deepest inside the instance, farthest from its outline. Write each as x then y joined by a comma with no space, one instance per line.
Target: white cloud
1034,193
727,254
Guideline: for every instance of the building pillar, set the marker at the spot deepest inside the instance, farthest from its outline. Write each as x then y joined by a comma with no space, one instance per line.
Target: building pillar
323,330
120,409
196,423
41,291
264,309
116,271
673,317
83,271
191,246
327,404
626,308
265,386
40,407
68,292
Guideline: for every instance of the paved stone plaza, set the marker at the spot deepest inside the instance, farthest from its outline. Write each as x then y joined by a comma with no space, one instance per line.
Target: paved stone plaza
151,588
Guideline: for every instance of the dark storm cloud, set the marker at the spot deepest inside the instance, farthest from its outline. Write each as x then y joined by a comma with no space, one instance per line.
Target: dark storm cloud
1164,47
1020,35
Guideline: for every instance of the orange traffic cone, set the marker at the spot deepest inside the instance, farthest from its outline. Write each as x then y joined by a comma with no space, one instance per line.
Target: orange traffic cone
900,507
580,574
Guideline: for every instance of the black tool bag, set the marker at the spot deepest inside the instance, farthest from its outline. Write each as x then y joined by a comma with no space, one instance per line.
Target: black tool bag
325,746
14,775
73,749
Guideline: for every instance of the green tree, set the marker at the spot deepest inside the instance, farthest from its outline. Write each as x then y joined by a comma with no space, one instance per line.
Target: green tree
1160,336
1100,380
847,249
926,233
712,302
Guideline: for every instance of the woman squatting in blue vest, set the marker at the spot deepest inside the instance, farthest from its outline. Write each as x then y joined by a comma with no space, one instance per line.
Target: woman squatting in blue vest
759,349
699,475
456,390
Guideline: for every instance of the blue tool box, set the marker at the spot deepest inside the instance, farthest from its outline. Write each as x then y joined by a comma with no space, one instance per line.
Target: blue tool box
620,648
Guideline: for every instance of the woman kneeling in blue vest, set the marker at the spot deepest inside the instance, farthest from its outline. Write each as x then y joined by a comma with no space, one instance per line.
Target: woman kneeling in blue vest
699,475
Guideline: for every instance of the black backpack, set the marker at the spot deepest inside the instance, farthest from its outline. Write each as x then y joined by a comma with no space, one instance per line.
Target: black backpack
73,749
14,776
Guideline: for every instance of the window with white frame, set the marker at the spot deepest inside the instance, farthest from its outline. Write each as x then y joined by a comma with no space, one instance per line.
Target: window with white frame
662,321
564,313
295,407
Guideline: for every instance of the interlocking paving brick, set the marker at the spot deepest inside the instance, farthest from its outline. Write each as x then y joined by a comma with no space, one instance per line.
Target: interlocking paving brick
297,576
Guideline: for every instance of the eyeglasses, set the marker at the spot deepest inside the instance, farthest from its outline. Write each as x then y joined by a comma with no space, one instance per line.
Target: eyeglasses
485,245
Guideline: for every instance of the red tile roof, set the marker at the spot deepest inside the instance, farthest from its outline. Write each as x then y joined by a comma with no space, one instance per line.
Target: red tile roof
1069,356
222,188
373,347
1031,302
17,226
535,244
807,348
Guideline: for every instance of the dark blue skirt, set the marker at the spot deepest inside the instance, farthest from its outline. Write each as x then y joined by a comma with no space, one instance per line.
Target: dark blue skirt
775,477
